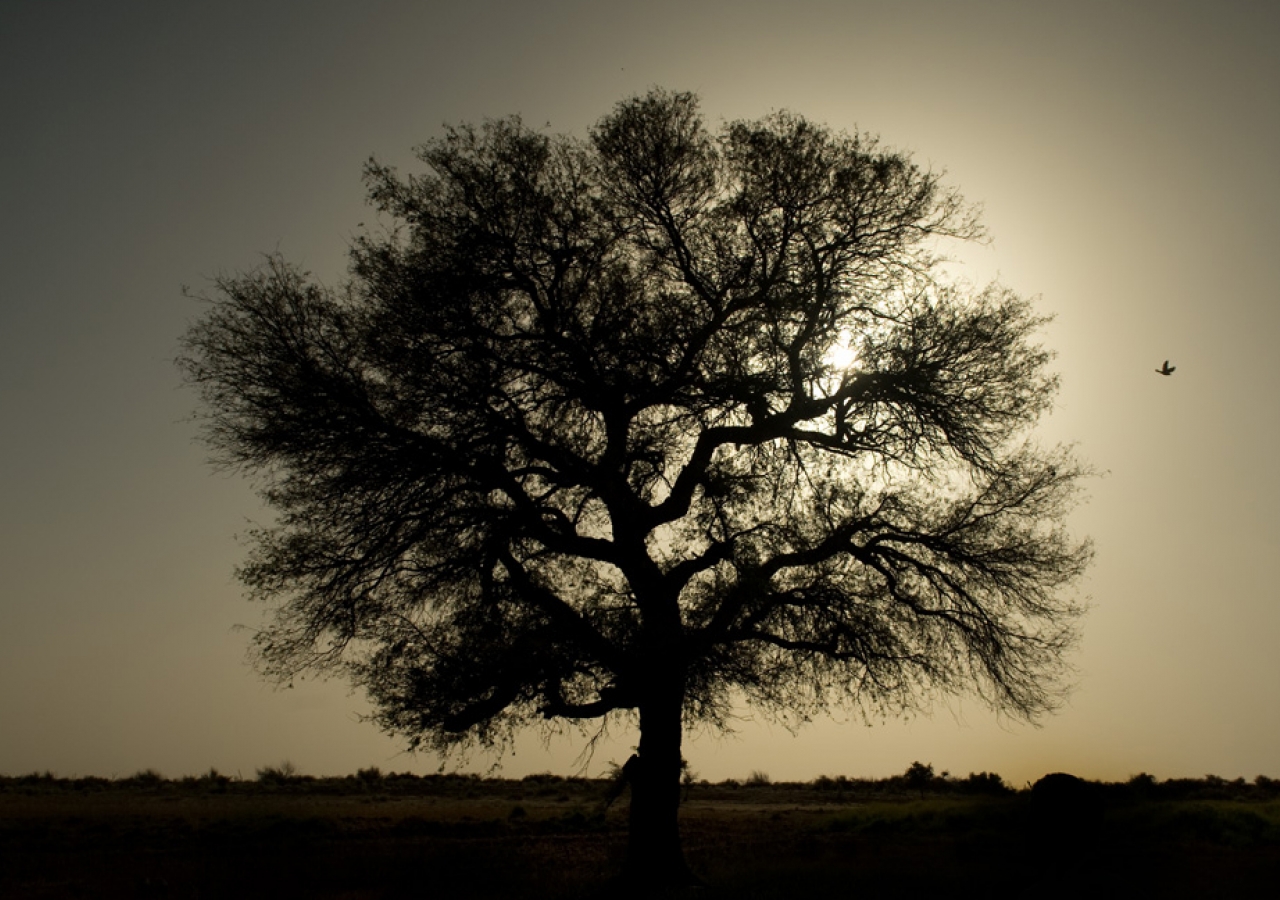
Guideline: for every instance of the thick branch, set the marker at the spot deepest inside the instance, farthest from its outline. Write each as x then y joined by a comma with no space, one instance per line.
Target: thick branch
561,613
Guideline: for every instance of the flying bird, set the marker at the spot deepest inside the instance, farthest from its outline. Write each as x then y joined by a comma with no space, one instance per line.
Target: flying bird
1166,370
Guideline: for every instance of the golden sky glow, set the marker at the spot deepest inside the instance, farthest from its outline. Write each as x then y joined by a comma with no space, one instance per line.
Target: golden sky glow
1125,155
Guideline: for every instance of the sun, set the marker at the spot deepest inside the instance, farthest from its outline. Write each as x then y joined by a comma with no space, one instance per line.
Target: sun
841,356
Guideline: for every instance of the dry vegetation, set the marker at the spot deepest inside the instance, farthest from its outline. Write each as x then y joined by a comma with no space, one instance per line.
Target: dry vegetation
376,835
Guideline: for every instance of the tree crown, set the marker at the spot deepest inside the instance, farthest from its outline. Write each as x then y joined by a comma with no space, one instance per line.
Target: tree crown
659,406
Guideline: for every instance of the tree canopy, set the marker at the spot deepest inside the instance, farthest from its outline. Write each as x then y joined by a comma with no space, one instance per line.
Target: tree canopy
658,421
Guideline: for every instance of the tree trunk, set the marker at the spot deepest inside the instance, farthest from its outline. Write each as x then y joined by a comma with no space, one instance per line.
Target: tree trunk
655,858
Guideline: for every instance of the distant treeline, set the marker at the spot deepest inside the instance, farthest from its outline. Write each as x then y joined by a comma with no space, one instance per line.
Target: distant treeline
918,779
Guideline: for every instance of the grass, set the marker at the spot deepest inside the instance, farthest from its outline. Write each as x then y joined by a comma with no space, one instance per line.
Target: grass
928,816
1229,823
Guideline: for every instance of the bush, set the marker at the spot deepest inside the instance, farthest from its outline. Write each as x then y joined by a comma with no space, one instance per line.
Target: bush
827,783
986,783
370,777
284,773
212,780
919,776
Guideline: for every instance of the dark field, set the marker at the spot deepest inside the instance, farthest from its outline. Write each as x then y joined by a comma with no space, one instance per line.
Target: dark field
378,836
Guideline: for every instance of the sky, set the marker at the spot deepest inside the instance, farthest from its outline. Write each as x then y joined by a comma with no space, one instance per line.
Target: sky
1125,157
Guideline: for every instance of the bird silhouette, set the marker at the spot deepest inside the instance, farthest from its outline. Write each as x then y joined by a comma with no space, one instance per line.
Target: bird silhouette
1166,370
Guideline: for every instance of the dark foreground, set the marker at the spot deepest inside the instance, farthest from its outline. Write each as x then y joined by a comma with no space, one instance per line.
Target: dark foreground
548,837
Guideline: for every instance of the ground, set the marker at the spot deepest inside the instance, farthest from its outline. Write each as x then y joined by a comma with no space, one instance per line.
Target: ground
547,837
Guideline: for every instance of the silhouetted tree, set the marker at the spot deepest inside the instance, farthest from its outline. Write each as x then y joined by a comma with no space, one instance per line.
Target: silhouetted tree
647,425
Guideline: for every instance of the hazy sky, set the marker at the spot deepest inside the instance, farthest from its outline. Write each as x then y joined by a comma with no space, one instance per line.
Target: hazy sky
1126,155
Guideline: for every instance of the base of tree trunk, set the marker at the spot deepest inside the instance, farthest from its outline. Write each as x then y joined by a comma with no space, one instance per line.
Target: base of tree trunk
655,858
